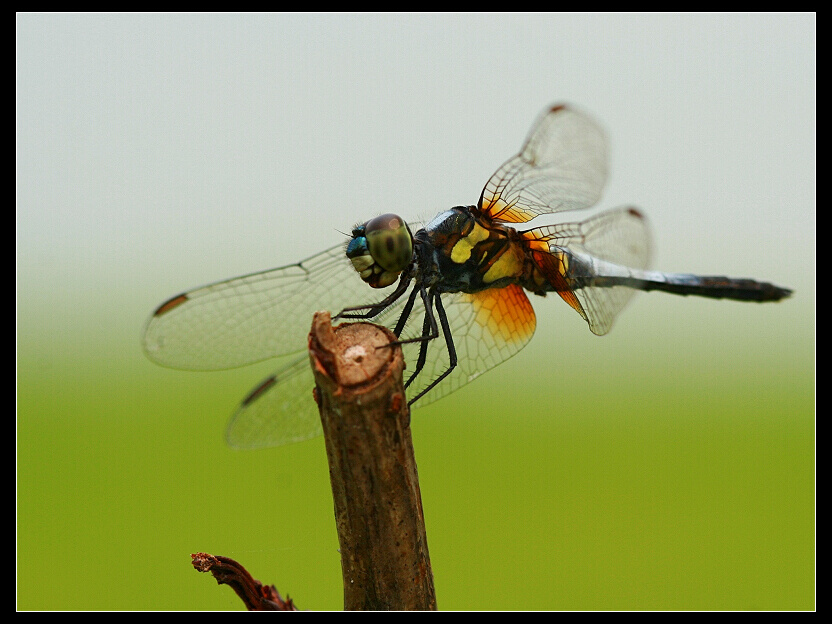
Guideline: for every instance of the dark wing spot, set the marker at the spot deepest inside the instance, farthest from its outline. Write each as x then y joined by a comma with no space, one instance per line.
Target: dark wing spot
259,390
170,305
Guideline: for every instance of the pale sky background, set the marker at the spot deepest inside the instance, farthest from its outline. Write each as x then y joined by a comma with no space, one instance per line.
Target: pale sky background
156,153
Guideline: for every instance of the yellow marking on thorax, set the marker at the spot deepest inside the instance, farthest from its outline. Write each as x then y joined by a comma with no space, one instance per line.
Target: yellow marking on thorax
463,248
509,264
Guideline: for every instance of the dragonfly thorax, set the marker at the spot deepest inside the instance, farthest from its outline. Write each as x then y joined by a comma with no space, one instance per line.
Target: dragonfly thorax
469,254
381,249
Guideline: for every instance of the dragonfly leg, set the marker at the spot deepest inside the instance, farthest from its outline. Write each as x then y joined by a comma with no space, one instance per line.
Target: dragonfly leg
430,331
423,348
373,309
449,342
408,308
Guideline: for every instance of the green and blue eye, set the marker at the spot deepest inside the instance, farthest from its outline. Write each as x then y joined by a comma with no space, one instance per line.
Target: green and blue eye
381,249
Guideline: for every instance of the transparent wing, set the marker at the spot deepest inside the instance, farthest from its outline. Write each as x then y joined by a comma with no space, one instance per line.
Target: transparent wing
562,166
488,328
280,410
620,236
254,317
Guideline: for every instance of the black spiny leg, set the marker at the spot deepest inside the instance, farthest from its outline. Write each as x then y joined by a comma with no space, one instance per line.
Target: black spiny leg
408,308
423,348
449,342
374,309
430,331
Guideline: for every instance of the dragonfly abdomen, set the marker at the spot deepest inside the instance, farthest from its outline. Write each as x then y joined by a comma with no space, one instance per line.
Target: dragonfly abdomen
715,287
585,271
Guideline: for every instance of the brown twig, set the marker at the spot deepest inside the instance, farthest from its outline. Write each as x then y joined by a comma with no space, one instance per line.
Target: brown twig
375,486
255,595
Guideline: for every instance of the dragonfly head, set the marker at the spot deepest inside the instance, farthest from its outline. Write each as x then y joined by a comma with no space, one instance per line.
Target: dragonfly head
381,249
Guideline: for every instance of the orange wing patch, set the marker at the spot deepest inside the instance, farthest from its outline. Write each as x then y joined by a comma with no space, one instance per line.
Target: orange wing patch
497,209
506,313
551,266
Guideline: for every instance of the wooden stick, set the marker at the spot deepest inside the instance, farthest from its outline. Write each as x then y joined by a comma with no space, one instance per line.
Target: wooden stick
375,486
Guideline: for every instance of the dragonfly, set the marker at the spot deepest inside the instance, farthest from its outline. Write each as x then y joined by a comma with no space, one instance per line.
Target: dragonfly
453,291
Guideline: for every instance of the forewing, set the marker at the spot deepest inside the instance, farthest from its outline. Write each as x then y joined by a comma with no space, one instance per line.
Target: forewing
562,166
254,317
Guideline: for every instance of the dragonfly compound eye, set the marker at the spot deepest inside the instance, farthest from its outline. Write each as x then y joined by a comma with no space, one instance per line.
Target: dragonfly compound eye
381,249
390,242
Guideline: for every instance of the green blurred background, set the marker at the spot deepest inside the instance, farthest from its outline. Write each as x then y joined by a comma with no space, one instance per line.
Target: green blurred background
668,465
